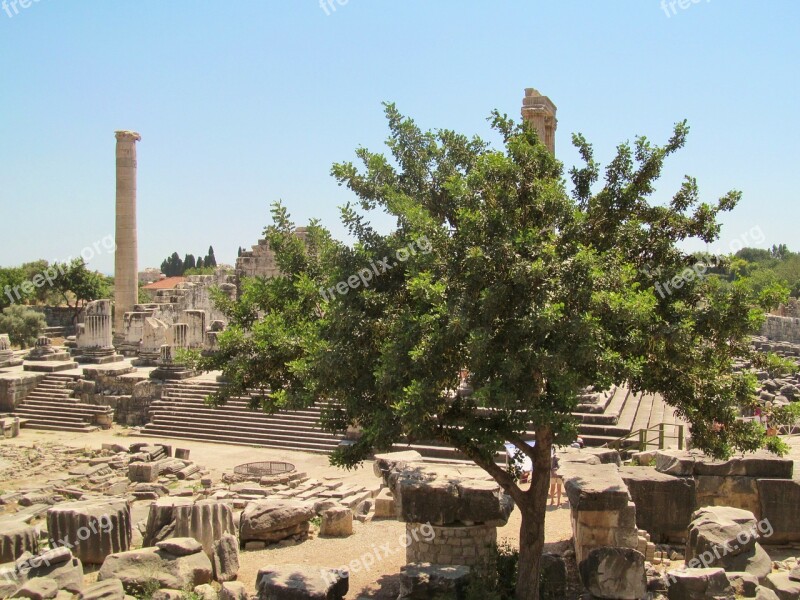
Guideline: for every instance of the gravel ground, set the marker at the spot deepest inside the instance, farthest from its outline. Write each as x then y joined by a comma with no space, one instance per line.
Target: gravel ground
378,578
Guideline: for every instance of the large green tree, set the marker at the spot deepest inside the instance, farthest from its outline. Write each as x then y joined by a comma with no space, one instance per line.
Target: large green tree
494,268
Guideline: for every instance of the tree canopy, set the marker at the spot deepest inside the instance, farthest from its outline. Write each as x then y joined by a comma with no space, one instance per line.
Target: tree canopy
495,269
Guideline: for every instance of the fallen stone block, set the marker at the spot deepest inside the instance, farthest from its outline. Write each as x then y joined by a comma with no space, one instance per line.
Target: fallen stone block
141,570
385,506
733,491
743,584
552,577
110,589
68,574
225,558
180,546
274,520
301,582
619,573
233,590
760,464
337,522
699,584
38,588
783,586
419,581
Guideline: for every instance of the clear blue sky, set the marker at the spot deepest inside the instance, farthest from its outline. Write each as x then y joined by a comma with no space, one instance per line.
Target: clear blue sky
241,103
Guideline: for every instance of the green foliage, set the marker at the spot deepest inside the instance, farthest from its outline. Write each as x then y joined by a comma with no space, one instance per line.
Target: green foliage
22,324
498,582
76,285
535,292
173,266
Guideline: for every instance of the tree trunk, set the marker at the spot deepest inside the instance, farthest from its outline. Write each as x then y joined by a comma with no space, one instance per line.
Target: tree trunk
531,534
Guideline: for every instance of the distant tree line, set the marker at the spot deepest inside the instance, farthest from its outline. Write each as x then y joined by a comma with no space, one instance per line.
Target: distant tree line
174,266
763,267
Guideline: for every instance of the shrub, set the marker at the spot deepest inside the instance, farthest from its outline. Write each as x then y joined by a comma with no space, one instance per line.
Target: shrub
22,325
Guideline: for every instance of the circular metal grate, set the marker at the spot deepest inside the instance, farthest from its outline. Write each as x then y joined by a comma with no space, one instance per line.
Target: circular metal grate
261,469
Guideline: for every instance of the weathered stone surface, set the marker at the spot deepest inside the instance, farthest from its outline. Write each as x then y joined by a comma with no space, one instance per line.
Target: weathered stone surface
385,506
552,577
110,589
764,593
225,558
734,491
180,546
68,574
445,495
166,594
320,506
337,522
783,586
92,529
779,501
205,592
274,520
726,537
614,573
718,527
233,590
594,487
38,588
138,569
301,582
16,538
760,464
420,581
699,584
206,521
744,584
664,503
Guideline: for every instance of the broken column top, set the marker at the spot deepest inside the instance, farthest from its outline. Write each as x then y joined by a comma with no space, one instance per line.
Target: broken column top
443,495
124,134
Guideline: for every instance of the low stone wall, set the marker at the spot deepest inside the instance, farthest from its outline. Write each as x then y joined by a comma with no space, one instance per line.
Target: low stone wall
59,316
782,329
685,481
15,387
451,545
130,397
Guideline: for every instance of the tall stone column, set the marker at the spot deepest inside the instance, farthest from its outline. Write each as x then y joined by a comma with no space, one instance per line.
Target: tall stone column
540,112
126,267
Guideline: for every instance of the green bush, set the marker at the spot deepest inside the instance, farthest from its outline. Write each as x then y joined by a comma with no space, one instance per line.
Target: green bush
501,579
22,325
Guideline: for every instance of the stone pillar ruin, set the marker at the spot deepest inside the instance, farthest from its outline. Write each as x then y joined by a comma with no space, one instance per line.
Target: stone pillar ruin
451,515
6,354
94,338
93,528
154,335
540,112
195,328
126,269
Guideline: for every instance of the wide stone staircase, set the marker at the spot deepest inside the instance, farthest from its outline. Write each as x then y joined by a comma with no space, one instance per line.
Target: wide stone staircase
604,418
51,406
182,412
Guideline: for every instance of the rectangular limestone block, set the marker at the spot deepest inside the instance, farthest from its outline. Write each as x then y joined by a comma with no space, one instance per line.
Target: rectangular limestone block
733,491
594,487
664,503
385,506
780,499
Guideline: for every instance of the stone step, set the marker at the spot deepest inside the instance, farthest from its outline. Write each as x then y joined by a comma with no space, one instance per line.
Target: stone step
47,417
241,428
59,414
276,421
61,427
212,413
266,441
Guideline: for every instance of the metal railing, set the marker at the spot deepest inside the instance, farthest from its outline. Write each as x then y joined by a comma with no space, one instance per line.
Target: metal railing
641,438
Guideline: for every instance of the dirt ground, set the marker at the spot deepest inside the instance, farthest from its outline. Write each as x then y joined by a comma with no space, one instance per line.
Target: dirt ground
377,579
